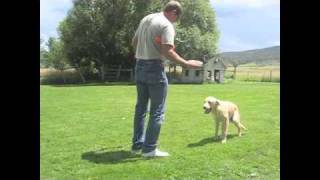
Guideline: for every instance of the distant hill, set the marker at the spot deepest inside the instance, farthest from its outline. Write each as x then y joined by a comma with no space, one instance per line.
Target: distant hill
265,56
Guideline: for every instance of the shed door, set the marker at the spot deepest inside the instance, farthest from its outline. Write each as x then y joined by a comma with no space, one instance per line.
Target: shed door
217,75
209,75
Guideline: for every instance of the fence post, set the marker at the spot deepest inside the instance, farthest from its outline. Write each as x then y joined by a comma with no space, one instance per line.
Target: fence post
131,75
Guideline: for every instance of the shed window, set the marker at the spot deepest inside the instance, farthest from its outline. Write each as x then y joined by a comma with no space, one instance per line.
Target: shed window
187,73
197,73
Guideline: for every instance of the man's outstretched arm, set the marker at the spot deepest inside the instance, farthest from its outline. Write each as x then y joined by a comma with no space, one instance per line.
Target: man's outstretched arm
169,52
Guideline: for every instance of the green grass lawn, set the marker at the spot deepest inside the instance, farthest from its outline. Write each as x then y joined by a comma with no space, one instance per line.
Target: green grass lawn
86,133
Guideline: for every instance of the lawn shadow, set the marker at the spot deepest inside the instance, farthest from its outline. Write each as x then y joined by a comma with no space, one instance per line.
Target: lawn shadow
107,84
210,140
94,84
111,157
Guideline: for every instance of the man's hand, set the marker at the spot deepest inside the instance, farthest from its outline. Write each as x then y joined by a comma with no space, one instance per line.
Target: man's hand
169,52
193,64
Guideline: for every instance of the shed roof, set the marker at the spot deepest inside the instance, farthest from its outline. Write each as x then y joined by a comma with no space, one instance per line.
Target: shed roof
219,60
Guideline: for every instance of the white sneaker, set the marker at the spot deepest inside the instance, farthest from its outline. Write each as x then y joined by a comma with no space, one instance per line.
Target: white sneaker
155,153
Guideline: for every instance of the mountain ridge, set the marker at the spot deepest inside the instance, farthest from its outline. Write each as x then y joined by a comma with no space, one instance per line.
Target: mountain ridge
263,56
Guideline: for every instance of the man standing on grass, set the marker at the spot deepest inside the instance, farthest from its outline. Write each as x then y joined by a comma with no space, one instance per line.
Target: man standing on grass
154,42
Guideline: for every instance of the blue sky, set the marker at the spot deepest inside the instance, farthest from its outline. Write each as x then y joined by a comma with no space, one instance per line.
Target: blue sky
243,24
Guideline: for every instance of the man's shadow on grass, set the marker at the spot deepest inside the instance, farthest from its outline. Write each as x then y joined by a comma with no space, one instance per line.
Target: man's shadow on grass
111,157
210,140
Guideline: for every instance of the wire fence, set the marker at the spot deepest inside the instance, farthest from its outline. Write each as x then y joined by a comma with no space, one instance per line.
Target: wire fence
261,75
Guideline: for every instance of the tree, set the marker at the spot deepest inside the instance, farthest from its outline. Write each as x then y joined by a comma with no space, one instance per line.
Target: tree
98,29
235,64
75,41
99,32
56,55
197,33
43,55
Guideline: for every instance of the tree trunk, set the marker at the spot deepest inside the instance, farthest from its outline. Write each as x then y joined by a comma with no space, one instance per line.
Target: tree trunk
119,72
80,73
102,72
63,76
234,72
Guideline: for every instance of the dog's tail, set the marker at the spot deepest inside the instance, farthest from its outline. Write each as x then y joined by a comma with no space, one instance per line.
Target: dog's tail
242,126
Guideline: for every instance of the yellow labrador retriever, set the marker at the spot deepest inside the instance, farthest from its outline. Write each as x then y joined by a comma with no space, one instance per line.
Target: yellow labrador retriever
225,112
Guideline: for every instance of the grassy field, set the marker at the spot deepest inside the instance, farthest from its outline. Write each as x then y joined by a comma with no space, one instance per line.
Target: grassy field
86,133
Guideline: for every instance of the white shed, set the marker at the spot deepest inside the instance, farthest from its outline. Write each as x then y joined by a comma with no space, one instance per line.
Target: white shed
212,71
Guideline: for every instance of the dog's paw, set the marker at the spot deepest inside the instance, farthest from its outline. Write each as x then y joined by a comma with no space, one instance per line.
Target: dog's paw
224,141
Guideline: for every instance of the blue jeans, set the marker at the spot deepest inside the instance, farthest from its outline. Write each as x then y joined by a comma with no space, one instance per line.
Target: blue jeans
151,83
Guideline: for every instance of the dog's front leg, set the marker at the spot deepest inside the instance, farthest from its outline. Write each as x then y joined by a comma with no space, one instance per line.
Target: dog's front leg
225,129
216,137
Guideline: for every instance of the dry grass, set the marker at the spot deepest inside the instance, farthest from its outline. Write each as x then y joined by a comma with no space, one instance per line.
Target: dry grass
247,72
256,73
52,76
50,71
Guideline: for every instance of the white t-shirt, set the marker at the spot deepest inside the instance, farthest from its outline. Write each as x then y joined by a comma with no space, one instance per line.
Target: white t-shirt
154,30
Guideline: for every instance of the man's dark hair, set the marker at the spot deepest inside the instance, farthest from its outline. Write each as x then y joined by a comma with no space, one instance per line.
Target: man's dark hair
173,6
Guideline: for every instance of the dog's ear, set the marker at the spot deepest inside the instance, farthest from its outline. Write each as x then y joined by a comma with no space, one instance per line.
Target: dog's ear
217,103
210,101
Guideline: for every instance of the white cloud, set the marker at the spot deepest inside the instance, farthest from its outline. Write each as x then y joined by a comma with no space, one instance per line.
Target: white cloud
54,9
51,13
46,35
247,24
232,43
246,3
275,43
